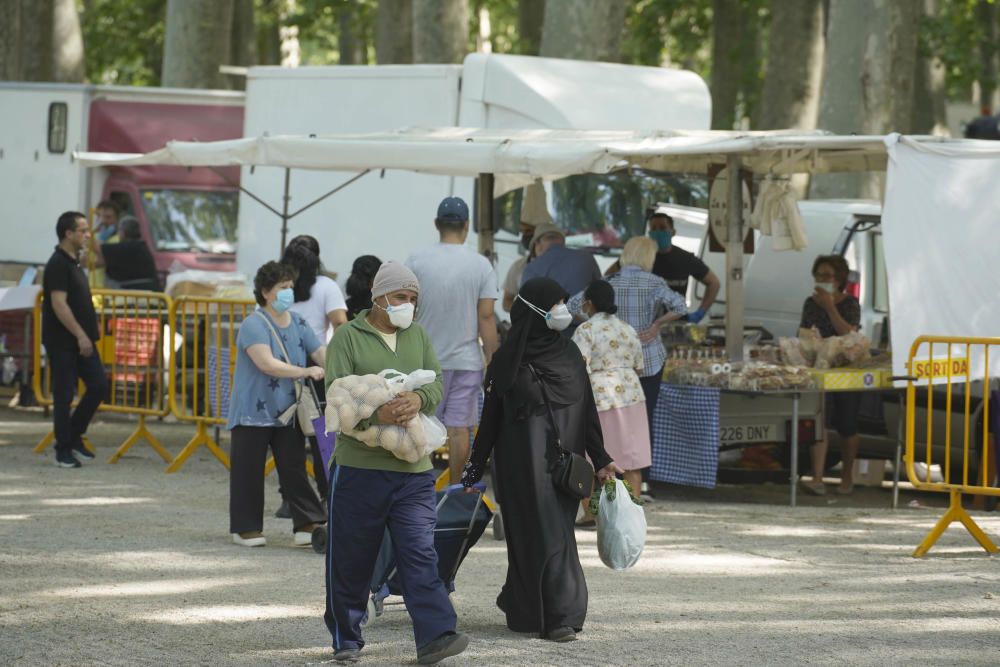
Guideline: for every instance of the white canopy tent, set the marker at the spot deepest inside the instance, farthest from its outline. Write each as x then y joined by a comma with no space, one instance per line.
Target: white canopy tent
507,159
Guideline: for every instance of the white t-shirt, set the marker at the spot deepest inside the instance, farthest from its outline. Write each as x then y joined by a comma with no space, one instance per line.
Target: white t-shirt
453,278
325,296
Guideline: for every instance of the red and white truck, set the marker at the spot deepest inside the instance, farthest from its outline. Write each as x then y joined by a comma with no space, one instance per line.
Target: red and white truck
187,216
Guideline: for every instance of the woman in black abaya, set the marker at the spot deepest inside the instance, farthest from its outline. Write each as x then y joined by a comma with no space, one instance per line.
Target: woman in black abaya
545,591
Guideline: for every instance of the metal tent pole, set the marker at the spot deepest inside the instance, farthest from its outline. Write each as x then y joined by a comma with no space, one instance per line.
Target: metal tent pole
734,261
284,209
484,214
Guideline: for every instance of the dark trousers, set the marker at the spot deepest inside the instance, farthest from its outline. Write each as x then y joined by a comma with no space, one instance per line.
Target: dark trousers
67,368
246,477
651,390
362,503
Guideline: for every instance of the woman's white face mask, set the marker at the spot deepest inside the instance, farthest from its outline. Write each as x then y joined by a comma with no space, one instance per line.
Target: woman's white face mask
556,319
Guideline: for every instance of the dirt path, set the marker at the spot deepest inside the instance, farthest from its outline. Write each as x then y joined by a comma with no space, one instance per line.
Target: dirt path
124,565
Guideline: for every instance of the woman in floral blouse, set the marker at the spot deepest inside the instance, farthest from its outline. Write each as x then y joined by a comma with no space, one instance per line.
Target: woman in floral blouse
613,354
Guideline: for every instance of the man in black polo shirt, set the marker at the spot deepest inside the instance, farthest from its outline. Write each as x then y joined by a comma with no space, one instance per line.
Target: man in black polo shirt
69,331
677,265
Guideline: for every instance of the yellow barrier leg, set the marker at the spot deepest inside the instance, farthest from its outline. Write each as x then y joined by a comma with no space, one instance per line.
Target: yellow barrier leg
51,437
955,513
270,465
141,431
201,437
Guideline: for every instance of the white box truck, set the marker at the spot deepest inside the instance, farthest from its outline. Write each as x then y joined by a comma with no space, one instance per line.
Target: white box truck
391,214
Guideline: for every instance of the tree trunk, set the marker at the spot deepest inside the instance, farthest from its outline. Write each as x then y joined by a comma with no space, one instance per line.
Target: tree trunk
986,15
867,80
67,43
583,29
440,31
394,32
26,40
929,93
197,41
349,43
244,35
267,20
735,56
530,18
790,96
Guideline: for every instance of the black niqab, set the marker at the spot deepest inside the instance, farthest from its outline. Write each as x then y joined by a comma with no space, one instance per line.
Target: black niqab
530,341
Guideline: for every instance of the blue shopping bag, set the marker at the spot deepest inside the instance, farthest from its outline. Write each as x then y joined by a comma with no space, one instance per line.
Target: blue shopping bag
327,441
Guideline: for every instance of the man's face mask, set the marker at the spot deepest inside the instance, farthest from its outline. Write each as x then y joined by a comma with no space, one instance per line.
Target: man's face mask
663,238
400,316
556,319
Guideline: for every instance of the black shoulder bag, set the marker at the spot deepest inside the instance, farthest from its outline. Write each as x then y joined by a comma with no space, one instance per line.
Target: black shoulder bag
571,473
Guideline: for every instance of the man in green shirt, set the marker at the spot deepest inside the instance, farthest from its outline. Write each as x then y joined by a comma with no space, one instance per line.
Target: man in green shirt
371,489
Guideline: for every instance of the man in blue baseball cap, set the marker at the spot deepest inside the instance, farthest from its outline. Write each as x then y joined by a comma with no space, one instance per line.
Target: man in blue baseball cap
458,292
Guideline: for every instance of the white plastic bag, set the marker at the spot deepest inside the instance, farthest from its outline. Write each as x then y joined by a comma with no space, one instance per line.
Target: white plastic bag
435,432
621,529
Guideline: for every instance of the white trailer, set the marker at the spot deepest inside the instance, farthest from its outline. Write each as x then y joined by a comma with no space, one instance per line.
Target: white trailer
390,214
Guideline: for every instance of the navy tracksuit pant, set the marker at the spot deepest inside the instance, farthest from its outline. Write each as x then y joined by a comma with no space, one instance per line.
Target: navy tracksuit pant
362,503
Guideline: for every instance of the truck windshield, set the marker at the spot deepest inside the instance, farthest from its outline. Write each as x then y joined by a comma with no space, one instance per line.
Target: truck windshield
192,220
610,207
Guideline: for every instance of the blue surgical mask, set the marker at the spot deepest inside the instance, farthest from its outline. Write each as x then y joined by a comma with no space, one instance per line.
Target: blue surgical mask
663,238
283,300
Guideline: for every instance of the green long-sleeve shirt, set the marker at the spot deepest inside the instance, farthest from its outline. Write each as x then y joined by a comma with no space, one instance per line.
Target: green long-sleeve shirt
358,349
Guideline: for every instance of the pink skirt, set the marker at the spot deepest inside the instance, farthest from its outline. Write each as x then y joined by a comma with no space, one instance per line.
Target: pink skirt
626,436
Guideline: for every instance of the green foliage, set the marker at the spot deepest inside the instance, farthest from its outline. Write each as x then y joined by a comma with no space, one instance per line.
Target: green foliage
677,32
611,488
954,36
123,41
319,28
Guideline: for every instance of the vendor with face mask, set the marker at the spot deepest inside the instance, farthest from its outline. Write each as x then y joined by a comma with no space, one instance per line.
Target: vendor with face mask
833,312
677,265
371,489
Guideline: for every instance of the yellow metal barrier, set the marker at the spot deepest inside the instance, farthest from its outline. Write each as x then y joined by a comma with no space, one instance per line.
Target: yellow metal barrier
958,367
132,350
202,369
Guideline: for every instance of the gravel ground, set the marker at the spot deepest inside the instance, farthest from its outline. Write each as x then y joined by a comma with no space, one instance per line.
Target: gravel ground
125,565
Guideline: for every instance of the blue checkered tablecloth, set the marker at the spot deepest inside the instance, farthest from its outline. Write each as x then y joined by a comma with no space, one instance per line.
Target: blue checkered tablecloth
686,436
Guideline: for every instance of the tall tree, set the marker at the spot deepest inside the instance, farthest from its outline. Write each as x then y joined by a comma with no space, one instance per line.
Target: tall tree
583,29
530,19
929,96
350,36
394,32
440,31
26,32
986,17
790,96
197,41
243,45
67,43
735,60
867,80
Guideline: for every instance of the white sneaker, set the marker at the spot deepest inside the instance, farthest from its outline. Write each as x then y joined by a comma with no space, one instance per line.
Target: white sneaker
256,541
303,539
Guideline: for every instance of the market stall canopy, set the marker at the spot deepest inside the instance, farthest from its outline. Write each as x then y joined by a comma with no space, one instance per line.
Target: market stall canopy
517,157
